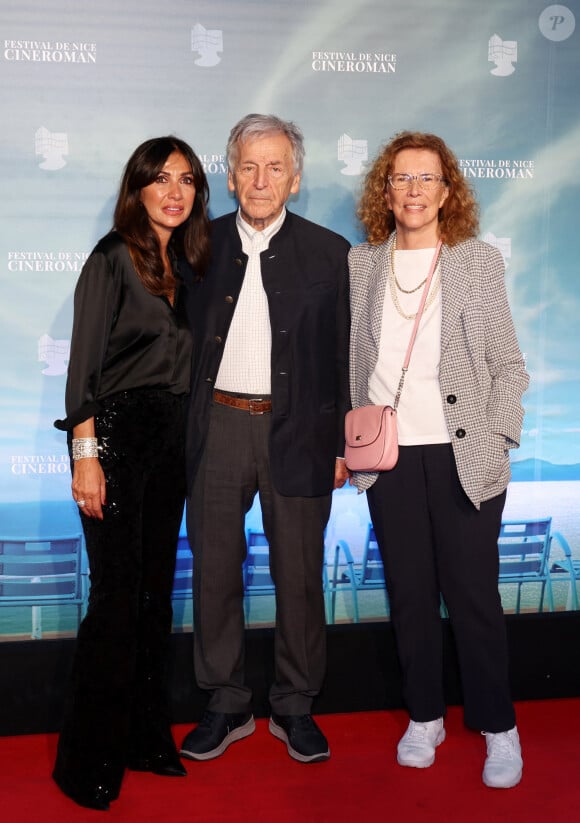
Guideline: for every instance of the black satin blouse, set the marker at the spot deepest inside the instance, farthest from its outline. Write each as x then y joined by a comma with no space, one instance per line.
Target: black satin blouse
123,337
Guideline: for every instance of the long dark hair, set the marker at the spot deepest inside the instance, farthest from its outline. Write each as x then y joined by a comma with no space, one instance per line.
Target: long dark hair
189,240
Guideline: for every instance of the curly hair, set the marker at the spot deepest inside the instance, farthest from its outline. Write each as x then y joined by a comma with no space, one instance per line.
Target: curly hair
459,215
189,240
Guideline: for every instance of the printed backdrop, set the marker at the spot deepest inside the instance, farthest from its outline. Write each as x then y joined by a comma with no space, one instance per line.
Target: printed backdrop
82,84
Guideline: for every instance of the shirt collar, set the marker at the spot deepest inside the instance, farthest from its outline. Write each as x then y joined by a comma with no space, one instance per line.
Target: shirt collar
247,231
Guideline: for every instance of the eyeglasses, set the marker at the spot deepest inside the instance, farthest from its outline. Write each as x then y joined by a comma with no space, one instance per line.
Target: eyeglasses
425,180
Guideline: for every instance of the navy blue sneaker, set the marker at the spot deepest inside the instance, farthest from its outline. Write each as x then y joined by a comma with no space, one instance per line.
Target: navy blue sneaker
215,732
304,740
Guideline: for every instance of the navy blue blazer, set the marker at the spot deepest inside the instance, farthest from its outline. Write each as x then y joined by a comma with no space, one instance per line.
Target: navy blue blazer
305,276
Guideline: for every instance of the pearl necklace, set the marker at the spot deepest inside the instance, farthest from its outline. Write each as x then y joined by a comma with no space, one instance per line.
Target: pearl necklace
394,285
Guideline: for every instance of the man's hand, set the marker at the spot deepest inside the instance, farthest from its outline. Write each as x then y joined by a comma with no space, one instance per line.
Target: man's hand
341,473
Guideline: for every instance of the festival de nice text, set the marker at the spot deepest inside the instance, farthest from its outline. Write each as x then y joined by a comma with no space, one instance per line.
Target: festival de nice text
350,61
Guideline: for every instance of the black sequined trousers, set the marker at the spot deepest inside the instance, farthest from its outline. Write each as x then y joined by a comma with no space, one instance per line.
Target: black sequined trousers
117,706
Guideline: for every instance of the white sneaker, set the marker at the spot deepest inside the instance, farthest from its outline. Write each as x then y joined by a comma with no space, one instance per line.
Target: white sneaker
417,746
504,764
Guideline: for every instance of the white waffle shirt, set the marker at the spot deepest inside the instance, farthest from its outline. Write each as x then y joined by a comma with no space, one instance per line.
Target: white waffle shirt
245,367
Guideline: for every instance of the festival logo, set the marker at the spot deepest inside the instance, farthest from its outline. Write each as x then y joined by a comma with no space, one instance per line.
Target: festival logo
52,146
510,169
502,244
503,53
557,23
49,51
354,62
353,153
46,261
214,163
55,353
207,43
34,466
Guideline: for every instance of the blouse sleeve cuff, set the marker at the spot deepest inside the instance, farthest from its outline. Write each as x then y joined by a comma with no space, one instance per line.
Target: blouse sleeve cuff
78,416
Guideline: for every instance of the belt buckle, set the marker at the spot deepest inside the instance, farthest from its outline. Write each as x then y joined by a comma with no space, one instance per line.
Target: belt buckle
253,411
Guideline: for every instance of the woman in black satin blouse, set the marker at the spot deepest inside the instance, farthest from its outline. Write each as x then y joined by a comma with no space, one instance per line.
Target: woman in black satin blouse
126,392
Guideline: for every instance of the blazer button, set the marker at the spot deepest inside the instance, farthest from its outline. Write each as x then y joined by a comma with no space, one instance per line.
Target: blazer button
451,399
238,261
209,379
217,338
460,433
229,299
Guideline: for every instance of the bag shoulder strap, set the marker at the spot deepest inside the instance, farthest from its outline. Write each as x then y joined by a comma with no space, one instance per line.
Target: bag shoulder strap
407,360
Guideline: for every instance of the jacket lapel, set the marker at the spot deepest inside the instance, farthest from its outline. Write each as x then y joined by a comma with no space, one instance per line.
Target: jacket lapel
454,288
377,285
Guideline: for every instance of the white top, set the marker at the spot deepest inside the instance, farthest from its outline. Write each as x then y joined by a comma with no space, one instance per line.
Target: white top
420,419
245,367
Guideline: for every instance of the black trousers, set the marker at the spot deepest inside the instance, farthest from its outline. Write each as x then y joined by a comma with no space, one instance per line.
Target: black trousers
433,540
117,698
235,465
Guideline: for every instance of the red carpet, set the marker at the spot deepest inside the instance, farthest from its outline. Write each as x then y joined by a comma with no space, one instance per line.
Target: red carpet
256,781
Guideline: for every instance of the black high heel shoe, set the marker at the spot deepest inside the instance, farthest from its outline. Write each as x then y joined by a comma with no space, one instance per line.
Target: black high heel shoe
91,784
96,796
152,749
165,763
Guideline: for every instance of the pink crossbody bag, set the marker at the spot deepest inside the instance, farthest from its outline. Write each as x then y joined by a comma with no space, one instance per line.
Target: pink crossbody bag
372,443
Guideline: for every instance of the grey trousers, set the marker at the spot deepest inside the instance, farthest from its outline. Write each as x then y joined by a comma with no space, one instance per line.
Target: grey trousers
234,466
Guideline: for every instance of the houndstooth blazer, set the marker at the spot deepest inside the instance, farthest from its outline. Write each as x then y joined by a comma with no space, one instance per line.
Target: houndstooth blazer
482,376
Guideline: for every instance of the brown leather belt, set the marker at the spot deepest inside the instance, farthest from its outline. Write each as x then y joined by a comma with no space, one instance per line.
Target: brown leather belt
250,404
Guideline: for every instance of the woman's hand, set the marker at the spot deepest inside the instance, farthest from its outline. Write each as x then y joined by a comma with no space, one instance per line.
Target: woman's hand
89,487
88,483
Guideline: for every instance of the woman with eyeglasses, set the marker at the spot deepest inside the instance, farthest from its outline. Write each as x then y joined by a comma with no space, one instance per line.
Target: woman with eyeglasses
437,513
